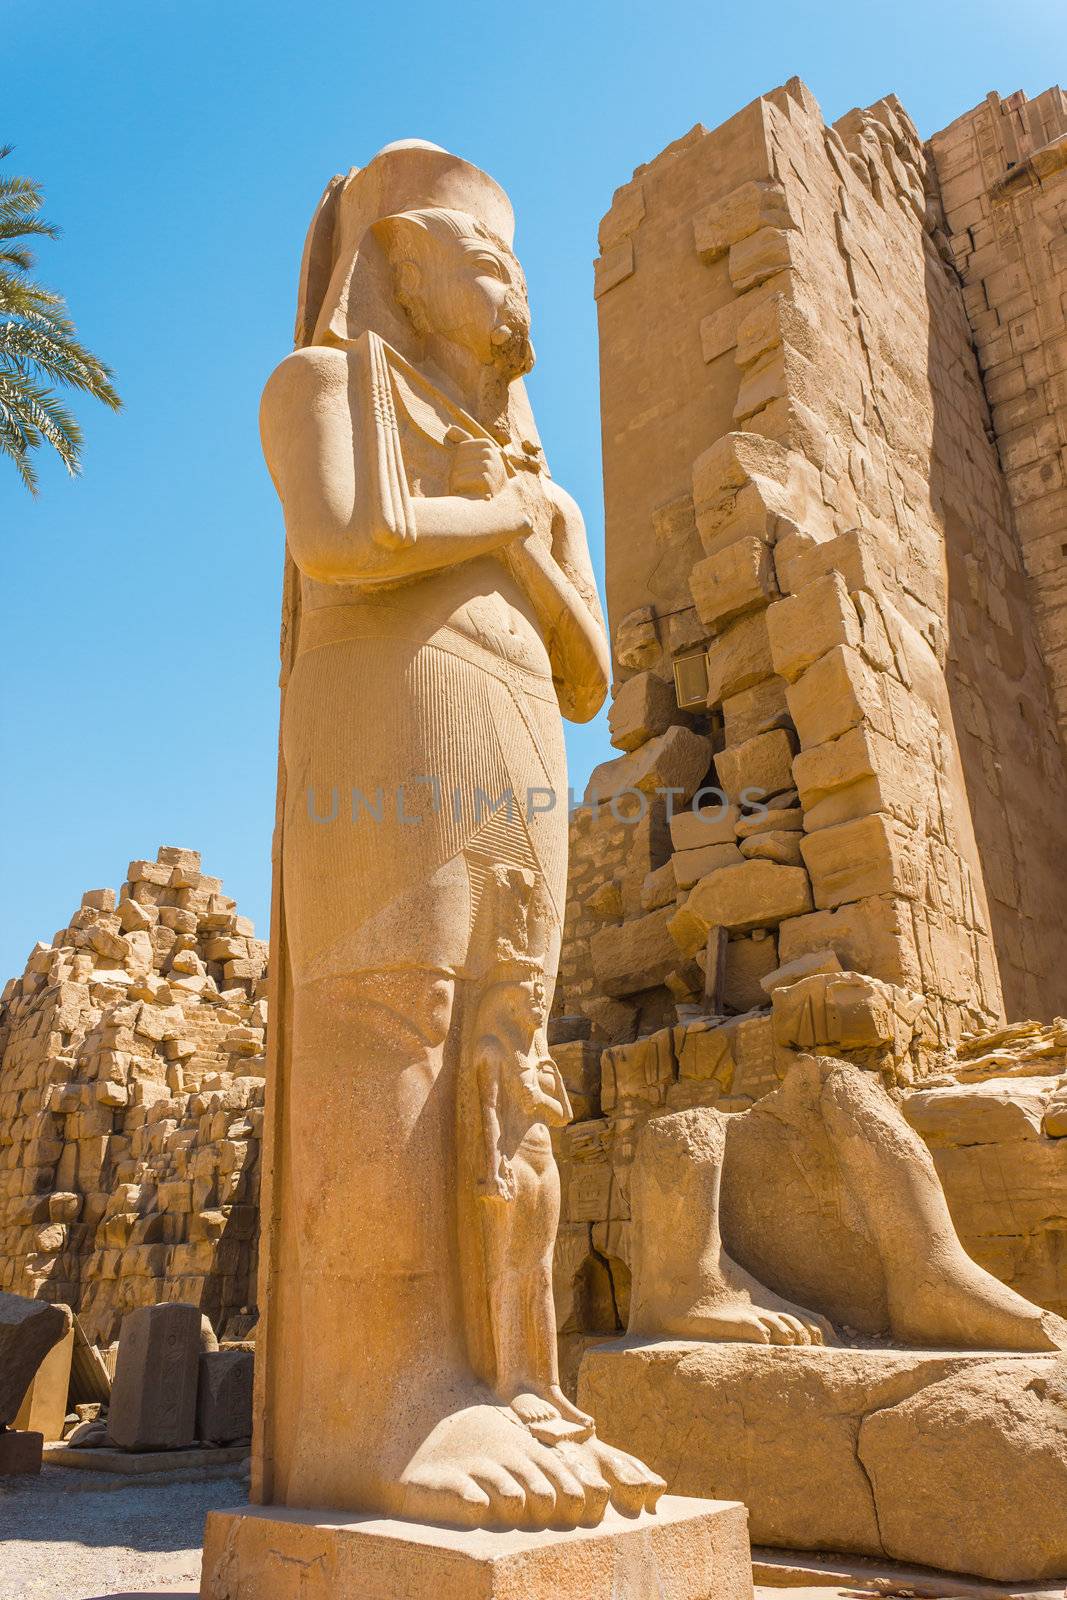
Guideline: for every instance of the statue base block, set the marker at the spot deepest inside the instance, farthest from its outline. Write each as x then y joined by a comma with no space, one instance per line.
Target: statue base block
688,1550
947,1459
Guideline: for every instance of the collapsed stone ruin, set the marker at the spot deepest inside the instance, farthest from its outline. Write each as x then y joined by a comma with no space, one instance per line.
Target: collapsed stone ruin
131,1095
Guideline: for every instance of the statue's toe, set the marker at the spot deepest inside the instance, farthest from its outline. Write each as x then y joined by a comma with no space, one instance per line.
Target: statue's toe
447,1495
507,1497
634,1487
570,1510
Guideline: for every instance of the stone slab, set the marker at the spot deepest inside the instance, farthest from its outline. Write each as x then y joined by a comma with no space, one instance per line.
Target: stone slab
224,1396
689,1550
132,1463
28,1330
44,1405
838,1577
948,1459
20,1453
153,1398
149,1594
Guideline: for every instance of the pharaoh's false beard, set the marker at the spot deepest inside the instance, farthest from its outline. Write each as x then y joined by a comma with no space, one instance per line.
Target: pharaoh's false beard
513,354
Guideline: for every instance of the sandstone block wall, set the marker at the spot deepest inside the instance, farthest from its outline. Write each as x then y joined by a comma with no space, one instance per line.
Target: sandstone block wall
805,506
131,1094
1002,176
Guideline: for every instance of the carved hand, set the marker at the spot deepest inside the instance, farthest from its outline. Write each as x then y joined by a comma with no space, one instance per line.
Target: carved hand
477,466
500,1185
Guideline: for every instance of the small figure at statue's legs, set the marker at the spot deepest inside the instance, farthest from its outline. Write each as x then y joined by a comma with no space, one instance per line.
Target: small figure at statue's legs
522,1096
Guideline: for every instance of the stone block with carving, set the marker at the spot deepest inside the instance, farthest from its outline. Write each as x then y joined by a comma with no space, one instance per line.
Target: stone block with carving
153,1398
224,1396
847,1014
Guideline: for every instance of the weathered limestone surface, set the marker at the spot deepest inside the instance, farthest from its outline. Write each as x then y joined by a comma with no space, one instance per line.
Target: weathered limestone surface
952,1460
1002,175
691,1549
131,1094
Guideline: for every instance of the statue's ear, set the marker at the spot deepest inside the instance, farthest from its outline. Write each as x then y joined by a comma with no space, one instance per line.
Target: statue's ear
399,239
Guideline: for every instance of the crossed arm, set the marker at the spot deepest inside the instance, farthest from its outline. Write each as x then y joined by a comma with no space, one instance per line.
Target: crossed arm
340,532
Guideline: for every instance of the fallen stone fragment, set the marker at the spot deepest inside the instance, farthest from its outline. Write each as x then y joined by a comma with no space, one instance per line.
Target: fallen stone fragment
28,1330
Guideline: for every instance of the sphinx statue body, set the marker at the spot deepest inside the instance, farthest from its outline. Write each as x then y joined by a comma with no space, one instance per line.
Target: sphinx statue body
440,612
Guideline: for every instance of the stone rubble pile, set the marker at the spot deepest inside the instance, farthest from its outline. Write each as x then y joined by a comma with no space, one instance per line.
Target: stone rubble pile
131,1095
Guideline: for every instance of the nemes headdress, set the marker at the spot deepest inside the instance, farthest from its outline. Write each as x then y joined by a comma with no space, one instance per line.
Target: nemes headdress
344,285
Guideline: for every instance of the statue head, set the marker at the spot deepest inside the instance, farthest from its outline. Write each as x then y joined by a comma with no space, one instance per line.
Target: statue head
455,279
515,1001
416,246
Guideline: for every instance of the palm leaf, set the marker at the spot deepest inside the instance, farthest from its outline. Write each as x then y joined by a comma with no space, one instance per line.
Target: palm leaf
39,347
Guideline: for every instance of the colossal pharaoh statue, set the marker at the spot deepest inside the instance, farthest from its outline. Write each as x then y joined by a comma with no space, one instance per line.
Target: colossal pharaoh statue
440,611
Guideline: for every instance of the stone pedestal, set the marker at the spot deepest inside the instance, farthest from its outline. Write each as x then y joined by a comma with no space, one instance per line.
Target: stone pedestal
20,1453
948,1459
687,1550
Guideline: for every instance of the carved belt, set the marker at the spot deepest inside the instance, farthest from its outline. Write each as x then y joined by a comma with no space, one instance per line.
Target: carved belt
336,625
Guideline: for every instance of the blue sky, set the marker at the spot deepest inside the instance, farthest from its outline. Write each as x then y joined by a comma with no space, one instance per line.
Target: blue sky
182,148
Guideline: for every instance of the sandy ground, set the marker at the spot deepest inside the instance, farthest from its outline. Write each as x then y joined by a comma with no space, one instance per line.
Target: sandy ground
70,1535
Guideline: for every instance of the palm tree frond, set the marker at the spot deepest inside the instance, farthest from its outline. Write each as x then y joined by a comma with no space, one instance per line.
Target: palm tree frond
39,347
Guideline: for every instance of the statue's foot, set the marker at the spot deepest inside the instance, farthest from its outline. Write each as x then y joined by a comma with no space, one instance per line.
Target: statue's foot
531,1408
547,1403
729,1305
963,1306
937,1295
752,1324
544,1421
566,1409
483,1468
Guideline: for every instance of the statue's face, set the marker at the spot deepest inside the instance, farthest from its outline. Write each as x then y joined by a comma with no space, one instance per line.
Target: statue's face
473,293
533,1001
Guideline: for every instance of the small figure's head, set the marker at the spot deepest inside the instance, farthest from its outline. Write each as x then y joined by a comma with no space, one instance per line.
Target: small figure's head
454,278
517,1001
